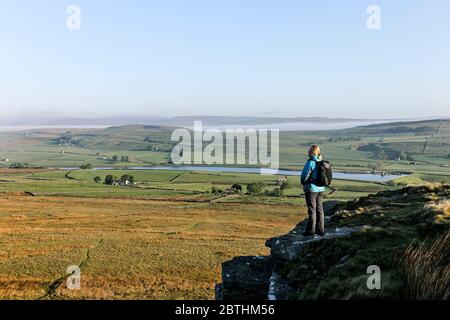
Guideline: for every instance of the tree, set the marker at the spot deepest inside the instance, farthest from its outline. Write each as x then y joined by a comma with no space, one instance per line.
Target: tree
86,166
378,166
124,159
284,185
236,188
277,192
115,158
126,177
403,155
97,179
214,190
17,165
109,179
255,188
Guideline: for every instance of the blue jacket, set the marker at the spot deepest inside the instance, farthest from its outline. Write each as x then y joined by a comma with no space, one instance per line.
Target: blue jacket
309,171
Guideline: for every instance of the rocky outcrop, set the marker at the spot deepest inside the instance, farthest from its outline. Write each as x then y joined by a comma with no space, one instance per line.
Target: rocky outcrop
294,247
290,246
256,278
246,278
366,231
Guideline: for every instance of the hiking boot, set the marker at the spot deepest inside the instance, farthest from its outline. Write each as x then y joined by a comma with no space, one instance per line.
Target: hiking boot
320,233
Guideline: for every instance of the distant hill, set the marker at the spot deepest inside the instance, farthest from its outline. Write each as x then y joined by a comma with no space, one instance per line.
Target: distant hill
54,120
420,147
230,120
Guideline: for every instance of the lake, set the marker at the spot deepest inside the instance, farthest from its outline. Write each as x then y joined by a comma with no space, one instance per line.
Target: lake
368,177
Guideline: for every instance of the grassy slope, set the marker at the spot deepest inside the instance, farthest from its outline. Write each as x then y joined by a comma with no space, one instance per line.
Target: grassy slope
161,239
172,184
429,148
392,220
43,235
133,249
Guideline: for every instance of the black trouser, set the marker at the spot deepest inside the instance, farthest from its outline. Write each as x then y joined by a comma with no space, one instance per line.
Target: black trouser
316,223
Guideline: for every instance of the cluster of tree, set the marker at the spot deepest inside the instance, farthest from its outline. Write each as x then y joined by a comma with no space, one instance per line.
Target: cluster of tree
159,148
385,153
68,139
277,192
116,158
340,139
215,190
258,188
159,145
283,185
126,177
235,188
353,165
255,188
86,166
377,166
153,140
18,165
399,129
372,147
111,179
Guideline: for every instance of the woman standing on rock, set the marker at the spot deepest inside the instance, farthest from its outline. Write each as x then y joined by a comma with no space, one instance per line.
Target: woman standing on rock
313,193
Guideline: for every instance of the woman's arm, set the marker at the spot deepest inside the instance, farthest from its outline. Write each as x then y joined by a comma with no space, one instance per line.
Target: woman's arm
306,172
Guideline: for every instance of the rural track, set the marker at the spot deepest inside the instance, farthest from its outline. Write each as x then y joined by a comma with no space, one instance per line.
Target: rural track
50,292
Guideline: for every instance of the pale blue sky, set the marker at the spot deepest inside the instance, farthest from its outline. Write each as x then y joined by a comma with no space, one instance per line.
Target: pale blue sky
227,57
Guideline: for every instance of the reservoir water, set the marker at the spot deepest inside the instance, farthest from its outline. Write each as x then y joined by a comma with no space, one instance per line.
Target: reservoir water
369,177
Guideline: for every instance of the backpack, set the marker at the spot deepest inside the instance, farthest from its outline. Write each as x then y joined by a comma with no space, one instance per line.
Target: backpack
324,174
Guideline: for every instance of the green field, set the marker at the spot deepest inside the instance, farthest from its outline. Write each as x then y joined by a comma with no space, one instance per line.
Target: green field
153,184
166,235
420,147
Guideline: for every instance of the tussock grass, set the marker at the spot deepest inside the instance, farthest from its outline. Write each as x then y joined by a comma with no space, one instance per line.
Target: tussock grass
425,268
441,209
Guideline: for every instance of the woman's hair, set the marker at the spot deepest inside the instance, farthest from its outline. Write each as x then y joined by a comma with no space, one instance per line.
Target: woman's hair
315,150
